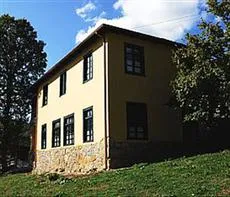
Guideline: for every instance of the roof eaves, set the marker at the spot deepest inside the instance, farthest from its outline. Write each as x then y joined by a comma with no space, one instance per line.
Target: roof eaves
60,63
101,29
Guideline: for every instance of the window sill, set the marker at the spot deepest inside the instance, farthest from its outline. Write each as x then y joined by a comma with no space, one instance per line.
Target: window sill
85,81
53,147
88,142
137,140
135,74
62,95
68,145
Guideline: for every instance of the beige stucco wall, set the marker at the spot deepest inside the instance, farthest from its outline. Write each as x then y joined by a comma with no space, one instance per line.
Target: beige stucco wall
78,96
164,124
153,89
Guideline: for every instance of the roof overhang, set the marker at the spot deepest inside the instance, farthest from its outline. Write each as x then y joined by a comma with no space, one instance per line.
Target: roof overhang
93,36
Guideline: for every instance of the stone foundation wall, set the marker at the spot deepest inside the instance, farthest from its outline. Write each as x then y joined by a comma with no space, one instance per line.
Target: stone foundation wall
80,159
127,153
89,158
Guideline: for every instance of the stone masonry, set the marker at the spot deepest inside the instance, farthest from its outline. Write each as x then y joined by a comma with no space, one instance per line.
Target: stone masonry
127,153
79,159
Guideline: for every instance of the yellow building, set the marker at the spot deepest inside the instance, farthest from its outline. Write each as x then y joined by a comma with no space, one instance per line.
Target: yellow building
104,105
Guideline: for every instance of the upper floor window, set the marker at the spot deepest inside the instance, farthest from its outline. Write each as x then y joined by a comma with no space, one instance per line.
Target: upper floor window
43,137
134,59
88,67
62,83
45,95
56,133
69,130
136,121
88,125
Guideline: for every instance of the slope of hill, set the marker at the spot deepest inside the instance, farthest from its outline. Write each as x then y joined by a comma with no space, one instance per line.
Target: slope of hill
201,175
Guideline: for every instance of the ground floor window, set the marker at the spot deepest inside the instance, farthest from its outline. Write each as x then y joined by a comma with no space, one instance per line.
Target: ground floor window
56,133
43,137
69,130
137,127
88,124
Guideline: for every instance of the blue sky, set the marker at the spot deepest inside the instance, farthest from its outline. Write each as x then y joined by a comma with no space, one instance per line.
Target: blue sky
62,24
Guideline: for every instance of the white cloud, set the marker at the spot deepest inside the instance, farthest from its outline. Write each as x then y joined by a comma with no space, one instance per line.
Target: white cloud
163,18
96,18
83,11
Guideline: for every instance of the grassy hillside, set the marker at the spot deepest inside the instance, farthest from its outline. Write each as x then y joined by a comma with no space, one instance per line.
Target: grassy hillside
207,175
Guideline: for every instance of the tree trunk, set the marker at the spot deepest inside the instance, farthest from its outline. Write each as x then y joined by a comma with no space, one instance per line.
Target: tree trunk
5,145
4,156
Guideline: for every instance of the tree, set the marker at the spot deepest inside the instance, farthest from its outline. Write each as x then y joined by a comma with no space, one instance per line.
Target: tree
201,87
22,62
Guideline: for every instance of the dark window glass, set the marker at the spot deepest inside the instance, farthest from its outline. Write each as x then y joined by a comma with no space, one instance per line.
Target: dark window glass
56,134
88,68
43,137
88,124
45,95
62,83
69,130
136,121
134,59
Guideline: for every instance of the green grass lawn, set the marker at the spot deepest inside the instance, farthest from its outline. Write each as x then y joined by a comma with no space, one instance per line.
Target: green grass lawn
202,175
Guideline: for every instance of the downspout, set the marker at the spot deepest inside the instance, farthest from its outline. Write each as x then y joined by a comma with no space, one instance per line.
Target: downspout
33,157
105,99
35,133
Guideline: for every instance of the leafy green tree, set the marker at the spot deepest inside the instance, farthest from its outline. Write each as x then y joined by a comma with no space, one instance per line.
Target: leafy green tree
22,62
201,87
